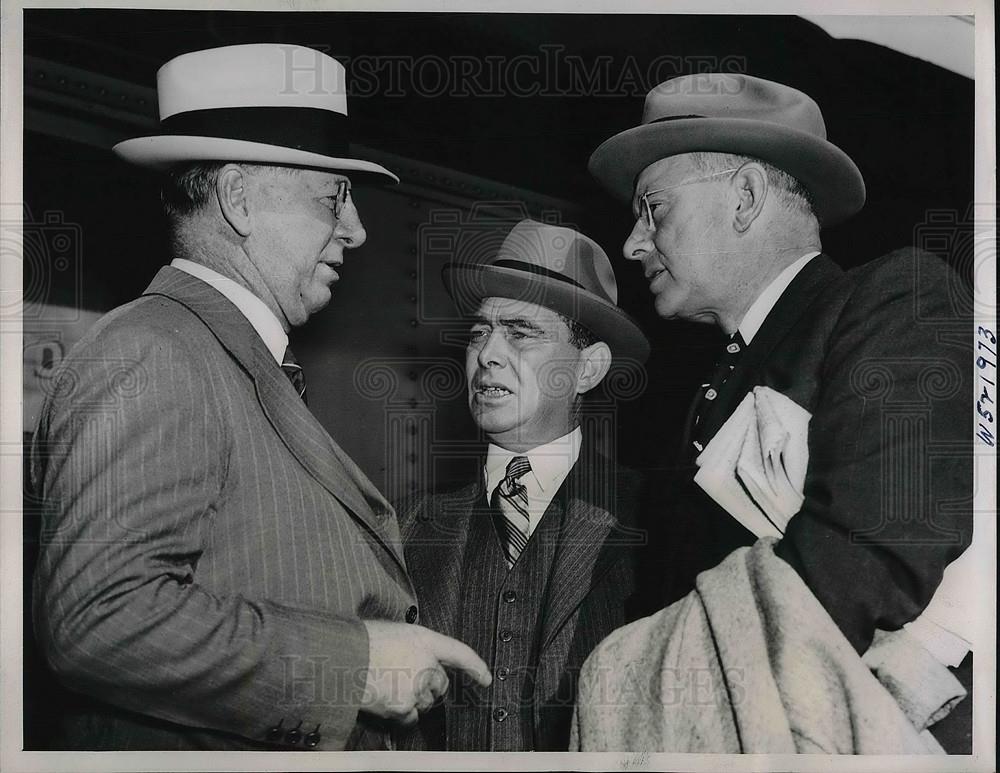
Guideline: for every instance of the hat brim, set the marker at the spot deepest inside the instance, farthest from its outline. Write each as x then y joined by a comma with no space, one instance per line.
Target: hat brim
827,172
469,284
162,151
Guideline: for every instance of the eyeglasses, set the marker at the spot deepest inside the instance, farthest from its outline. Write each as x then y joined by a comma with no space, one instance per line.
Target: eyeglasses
647,210
340,198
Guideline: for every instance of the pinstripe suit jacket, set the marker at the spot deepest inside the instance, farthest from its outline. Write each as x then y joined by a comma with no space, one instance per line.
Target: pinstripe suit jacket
590,586
207,550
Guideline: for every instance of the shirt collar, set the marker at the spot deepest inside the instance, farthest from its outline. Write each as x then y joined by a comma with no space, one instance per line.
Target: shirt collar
550,463
758,311
253,308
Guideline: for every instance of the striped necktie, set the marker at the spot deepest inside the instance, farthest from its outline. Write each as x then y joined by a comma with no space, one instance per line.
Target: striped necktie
293,370
510,499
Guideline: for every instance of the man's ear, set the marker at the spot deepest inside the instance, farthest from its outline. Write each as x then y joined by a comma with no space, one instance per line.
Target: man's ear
751,188
232,191
595,361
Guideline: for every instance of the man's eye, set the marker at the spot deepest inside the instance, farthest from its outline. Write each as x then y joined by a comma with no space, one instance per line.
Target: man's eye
476,334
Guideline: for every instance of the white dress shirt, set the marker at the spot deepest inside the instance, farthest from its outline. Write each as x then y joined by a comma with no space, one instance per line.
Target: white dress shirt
550,464
253,308
758,311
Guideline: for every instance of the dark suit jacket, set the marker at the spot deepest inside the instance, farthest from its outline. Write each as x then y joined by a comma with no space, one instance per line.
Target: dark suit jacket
591,585
207,550
880,357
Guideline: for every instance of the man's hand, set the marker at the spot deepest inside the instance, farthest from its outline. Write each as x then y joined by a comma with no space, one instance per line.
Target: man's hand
405,674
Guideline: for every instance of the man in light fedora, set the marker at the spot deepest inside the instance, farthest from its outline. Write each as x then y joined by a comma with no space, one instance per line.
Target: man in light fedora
215,572
530,563
730,180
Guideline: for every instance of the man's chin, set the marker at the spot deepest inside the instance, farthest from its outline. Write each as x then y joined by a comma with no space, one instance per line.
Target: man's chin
317,301
491,421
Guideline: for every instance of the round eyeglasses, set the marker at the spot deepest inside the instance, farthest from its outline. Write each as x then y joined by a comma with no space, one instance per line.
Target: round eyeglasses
647,211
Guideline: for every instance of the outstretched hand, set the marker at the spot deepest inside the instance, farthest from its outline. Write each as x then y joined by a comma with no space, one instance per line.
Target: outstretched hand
406,673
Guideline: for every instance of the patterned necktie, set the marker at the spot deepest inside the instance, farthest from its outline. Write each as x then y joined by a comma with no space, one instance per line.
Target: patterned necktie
295,374
730,356
510,499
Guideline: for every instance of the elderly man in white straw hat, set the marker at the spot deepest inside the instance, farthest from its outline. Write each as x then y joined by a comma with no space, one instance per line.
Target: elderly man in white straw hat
217,573
531,562
837,421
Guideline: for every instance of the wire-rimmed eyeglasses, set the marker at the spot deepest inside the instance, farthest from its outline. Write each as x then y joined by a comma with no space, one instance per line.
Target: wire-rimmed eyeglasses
340,198
647,211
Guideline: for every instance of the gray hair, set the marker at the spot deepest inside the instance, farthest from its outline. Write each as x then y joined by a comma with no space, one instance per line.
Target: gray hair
791,193
189,187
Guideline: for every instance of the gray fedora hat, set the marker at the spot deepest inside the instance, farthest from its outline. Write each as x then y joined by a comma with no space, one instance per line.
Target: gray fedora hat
740,114
555,267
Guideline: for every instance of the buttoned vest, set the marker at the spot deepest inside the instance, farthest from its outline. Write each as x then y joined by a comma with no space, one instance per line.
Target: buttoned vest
500,618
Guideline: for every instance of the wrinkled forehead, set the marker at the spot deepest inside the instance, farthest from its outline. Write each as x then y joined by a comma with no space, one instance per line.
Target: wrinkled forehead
497,310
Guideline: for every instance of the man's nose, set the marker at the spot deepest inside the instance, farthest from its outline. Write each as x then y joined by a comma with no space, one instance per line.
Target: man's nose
493,351
349,230
638,244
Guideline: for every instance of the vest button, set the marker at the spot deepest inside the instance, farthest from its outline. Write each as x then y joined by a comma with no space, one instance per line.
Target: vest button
502,673
500,714
510,597
506,635
411,615
711,394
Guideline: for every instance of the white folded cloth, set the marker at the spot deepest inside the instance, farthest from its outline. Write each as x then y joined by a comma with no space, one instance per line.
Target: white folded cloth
755,466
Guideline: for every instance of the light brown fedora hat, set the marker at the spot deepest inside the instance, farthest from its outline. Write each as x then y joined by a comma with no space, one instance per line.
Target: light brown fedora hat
555,267
740,114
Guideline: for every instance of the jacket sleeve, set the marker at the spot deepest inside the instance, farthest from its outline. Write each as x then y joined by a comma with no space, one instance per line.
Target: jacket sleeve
889,486
131,459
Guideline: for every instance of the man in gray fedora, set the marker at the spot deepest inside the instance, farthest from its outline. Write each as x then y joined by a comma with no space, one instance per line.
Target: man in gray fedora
530,563
730,179
215,572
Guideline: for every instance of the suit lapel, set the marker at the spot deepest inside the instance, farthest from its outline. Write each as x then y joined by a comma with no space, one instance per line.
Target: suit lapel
590,542
435,549
303,435
794,302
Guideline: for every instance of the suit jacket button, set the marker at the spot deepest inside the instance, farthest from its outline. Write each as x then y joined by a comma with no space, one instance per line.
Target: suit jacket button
502,673
411,615
274,733
500,714
313,739
510,597
506,635
293,736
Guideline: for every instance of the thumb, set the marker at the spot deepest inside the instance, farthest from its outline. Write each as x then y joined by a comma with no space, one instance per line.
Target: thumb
453,653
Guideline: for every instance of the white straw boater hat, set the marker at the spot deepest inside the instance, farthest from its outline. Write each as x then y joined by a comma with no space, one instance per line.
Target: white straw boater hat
264,103
739,114
555,267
